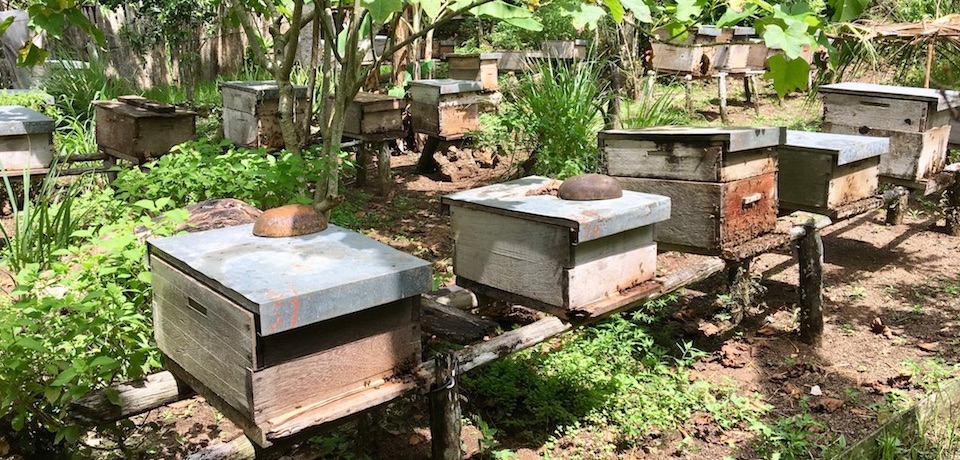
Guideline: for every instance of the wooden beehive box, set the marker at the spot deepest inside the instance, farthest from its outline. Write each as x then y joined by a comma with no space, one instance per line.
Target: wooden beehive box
821,172
372,113
272,329
137,130
916,120
565,49
709,34
480,67
445,108
251,112
553,254
26,139
694,60
723,181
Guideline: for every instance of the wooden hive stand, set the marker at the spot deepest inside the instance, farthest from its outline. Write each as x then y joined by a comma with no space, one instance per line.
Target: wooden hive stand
374,120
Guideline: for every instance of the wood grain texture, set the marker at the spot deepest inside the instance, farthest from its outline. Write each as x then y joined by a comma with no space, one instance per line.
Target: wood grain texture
604,277
804,179
853,182
694,60
694,210
511,254
206,334
706,161
135,398
913,156
749,209
878,112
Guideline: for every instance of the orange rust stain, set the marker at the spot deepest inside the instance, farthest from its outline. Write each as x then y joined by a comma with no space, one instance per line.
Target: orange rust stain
276,312
295,301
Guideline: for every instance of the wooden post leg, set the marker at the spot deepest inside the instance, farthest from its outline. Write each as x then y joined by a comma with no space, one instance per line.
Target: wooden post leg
445,409
651,84
110,163
952,209
756,93
747,94
898,207
741,288
383,169
810,259
723,96
426,163
688,89
363,159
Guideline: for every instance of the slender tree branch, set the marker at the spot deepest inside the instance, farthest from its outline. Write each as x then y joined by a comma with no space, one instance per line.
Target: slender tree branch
253,36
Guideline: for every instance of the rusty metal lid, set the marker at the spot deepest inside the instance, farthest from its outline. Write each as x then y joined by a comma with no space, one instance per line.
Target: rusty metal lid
289,220
590,187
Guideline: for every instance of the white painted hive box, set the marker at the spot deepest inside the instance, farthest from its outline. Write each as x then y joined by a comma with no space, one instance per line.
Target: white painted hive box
251,115
26,138
553,254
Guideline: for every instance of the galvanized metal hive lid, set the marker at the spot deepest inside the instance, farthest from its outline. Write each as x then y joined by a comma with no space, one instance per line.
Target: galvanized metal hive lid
449,86
265,89
17,121
846,147
944,99
296,281
735,138
589,220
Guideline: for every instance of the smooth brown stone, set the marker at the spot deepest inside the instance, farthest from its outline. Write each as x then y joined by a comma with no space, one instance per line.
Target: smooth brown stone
590,187
289,220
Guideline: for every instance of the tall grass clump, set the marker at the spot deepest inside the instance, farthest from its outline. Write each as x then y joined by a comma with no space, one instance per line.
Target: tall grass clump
561,105
653,110
76,86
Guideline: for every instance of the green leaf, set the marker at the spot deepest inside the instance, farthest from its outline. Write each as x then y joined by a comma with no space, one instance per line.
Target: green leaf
616,10
112,395
381,10
688,10
18,421
786,75
587,17
732,17
31,55
67,375
431,7
847,10
6,24
530,24
791,41
640,10
499,9
51,394
31,344
397,91
676,31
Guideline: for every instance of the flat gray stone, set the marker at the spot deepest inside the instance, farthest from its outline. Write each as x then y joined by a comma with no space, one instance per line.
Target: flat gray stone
587,220
944,99
296,281
847,148
18,121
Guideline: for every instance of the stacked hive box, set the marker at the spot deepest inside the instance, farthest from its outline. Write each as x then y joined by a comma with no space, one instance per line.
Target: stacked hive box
445,108
722,181
916,120
251,115
137,130
371,113
26,139
475,67
268,329
822,172
549,253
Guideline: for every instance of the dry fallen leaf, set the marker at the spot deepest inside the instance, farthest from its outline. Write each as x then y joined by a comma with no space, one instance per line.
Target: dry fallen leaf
828,405
877,326
792,390
415,439
928,346
767,330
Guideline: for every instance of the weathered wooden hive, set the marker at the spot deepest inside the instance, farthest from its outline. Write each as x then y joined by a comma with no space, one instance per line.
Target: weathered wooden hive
372,113
445,108
553,254
696,60
137,130
272,329
565,49
480,67
26,139
251,116
723,181
821,172
916,120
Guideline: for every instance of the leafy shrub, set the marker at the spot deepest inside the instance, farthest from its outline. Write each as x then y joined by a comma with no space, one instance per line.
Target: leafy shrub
34,100
200,170
561,106
556,26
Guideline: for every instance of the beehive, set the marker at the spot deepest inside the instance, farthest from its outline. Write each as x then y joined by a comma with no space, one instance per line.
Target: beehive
694,60
251,115
137,130
564,49
821,172
722,181
271,328
371,113
26,138
446,108
480,67
916,120
556,255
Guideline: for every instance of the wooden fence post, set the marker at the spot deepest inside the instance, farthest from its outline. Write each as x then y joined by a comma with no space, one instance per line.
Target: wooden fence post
952,207
810,260
897,207
445,408
741,288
